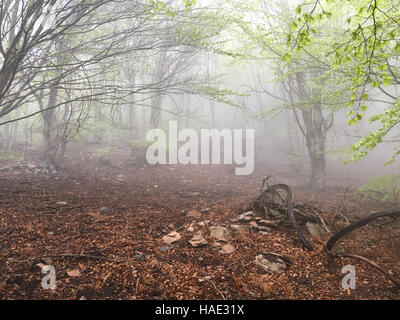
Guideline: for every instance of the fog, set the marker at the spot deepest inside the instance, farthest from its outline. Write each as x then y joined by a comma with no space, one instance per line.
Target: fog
164,112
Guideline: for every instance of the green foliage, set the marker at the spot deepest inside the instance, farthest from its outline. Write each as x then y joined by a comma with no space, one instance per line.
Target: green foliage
157,6
388,119
386,188
217,94
366,52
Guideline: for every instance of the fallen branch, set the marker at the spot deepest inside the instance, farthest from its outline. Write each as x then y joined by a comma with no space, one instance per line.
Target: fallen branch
358,224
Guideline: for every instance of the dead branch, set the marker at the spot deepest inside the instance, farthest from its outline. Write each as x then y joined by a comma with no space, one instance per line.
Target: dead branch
290,213
358,224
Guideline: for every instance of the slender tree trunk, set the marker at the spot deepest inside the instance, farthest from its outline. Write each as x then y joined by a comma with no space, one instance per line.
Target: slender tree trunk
155,111
131,115
316,151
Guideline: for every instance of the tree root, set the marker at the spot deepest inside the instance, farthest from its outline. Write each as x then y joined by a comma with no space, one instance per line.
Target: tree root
265,200
356,225
270,198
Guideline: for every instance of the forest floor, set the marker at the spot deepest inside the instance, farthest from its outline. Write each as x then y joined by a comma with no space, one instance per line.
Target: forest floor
102,228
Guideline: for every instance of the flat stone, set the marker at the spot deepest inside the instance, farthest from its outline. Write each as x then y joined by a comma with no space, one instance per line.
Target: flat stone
240,227
172,237
246,216
264,229
198,240
274,265
74,273
267,223
227,249
220,233
248,213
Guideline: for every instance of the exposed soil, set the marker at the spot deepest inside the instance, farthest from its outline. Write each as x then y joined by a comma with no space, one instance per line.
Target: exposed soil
142,202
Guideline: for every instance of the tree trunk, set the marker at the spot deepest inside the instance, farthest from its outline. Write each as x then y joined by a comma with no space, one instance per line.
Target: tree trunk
318,164
315,131
155,111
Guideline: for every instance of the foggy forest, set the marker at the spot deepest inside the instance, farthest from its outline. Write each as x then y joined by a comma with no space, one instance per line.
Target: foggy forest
199,150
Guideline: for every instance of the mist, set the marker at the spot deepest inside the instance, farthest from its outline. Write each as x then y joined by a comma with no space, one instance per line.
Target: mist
150,150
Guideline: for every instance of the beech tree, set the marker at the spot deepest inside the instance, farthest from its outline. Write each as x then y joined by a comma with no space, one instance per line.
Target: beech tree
309,89
367,53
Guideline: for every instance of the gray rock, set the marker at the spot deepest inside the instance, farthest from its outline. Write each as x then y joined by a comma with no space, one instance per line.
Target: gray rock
139,257
105,210
167,248
269,264
316,230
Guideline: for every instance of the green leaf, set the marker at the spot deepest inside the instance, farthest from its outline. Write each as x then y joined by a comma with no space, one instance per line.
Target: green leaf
387,81
287,57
